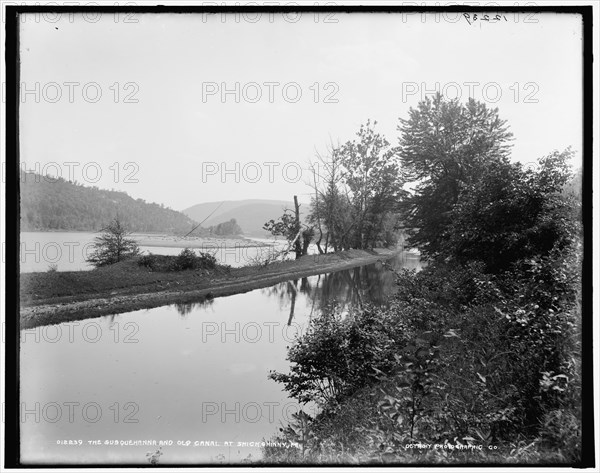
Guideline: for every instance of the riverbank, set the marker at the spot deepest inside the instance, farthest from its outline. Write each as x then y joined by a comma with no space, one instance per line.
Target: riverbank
55,297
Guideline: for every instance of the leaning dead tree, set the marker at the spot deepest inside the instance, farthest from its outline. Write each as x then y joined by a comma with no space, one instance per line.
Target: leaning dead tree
290,226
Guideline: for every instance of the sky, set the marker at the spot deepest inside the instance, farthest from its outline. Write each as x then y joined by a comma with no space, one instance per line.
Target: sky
188,108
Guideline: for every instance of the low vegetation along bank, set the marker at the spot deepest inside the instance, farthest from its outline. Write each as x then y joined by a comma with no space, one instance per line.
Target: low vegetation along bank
462,367
143,282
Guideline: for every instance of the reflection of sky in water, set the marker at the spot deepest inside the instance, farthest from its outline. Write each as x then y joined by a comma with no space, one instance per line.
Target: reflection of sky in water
188,372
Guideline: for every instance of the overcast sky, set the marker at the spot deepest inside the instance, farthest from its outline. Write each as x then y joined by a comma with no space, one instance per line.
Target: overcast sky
162,117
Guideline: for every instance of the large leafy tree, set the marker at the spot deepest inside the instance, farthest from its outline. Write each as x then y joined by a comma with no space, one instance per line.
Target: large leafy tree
445,146
361,191
330,207
375,183
512,214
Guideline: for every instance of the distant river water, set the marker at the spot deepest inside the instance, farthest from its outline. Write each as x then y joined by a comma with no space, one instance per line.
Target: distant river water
68,250
181,373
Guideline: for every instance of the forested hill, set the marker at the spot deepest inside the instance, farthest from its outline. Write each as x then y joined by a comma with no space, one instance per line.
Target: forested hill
56,204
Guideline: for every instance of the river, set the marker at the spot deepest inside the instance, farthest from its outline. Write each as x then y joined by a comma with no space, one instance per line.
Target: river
194,373
67,251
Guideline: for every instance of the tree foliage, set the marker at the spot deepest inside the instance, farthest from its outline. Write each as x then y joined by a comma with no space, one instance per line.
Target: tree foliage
338,355
510,214
482,346
185,260
290,226
330,207
445,146
360,191
113,245
374,181
226,228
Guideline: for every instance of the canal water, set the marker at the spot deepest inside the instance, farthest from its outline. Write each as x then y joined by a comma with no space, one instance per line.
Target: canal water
192,376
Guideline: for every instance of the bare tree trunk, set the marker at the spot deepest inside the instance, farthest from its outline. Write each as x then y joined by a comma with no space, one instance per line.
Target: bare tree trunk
305,243
297,244
318,209
293,243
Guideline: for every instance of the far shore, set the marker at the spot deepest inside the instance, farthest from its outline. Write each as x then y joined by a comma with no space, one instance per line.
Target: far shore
55,297
201,242
150,239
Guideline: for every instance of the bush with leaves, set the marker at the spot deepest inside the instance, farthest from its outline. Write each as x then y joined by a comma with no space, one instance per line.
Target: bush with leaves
338,355
156,262
511,214
187,259
459,356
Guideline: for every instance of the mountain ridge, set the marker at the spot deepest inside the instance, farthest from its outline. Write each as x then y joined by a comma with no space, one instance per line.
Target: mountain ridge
57,204
250,214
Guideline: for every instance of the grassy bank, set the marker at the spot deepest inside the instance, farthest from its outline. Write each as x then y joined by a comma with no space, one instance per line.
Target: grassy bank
53,297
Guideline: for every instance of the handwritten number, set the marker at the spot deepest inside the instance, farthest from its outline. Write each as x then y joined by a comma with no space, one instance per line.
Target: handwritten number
485,17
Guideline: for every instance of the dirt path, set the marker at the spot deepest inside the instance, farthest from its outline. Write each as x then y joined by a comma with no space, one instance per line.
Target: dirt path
98,305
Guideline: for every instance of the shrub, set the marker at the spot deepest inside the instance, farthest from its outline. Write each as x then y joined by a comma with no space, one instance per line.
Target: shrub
340,354
187,259
156,262
510,214
459,356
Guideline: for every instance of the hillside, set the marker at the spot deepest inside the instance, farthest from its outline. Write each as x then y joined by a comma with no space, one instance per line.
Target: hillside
57,204
250,214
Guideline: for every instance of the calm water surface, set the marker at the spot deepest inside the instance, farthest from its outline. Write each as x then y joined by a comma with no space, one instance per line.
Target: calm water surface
67,251
185,372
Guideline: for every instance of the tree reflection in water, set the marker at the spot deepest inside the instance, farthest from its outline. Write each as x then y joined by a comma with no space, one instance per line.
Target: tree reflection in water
184,308
372,283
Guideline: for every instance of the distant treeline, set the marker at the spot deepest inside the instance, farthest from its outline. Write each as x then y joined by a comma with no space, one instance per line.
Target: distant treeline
226,228
49,203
